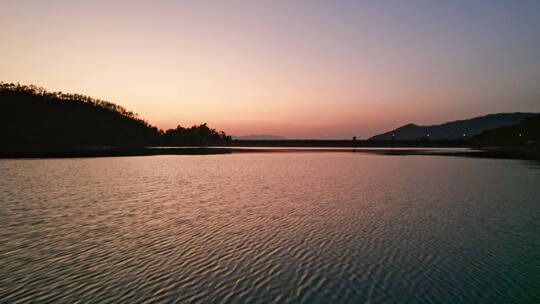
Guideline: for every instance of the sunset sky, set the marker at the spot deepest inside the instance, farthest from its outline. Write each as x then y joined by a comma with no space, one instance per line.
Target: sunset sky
300,69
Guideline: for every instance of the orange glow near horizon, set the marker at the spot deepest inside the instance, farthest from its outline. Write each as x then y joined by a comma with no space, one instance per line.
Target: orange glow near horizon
311,70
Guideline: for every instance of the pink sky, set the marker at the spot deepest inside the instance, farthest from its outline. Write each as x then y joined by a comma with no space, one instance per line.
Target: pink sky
302,69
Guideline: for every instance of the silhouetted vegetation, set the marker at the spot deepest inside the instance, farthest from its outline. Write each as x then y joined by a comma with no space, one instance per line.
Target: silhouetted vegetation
196,135
34,117
526,135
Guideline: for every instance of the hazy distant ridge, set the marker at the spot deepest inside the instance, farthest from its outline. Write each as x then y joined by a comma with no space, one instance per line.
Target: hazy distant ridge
259,137
455,129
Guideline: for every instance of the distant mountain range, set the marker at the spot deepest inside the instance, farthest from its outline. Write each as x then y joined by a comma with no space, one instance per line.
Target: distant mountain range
259,137
455,129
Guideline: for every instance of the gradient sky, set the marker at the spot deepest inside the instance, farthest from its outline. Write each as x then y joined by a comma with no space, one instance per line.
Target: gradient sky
300,69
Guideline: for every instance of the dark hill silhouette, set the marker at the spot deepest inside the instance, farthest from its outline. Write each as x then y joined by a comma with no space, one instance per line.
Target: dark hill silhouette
196,135
454,130
526,134
34,117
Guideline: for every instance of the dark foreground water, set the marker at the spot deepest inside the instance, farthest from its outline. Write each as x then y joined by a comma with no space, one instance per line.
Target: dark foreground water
270,227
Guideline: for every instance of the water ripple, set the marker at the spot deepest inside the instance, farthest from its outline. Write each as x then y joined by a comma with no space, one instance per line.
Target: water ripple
269,228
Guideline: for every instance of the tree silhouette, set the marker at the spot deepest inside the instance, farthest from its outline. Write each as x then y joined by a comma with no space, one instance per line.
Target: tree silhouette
34,117
525,134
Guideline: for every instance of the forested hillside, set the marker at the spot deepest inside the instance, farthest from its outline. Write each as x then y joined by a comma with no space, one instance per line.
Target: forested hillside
33,117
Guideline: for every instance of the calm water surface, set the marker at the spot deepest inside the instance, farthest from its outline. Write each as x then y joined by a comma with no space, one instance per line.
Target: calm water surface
270,228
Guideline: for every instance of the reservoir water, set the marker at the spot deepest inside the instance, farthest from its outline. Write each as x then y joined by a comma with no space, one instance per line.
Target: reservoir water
328,227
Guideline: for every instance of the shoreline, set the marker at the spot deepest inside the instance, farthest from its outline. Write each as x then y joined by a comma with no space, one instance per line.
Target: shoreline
491,152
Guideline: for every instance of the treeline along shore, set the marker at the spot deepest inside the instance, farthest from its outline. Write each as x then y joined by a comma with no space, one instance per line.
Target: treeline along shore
32,117
39,123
